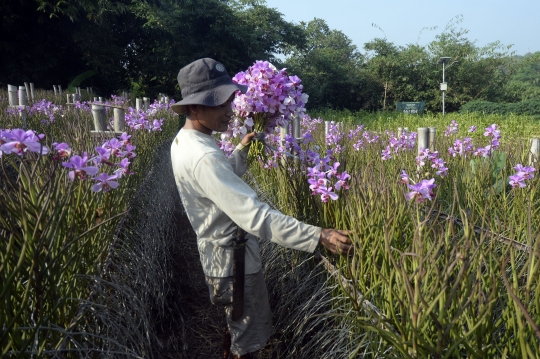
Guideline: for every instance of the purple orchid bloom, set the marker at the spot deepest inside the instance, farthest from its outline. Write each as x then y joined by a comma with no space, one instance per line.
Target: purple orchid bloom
128,153
525,172
105,182
63,149
386,154
404,177
326,194
421,191
341,183
124,138
80,169
103,155
517,180
123,170
19,141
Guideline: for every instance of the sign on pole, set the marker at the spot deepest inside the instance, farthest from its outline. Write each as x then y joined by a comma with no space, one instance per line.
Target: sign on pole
411,107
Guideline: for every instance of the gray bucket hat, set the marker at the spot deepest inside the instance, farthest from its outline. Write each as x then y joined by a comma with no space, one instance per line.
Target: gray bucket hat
205,82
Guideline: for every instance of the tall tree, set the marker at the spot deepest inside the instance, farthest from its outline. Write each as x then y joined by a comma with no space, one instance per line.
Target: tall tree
329,65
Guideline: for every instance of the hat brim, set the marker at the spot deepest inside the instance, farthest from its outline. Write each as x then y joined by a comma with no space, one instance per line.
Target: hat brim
213,97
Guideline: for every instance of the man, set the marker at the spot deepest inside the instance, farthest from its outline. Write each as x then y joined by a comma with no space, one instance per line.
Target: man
216,201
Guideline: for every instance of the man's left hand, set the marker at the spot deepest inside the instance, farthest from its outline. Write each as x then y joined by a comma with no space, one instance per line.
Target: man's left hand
248,138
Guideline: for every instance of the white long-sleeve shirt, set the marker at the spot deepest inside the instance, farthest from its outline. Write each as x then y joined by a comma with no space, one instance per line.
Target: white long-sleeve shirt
215,198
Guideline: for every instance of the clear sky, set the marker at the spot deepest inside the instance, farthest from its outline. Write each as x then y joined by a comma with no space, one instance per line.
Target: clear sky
512,22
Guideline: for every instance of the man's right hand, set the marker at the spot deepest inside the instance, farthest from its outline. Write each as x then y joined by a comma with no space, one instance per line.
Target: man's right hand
336,241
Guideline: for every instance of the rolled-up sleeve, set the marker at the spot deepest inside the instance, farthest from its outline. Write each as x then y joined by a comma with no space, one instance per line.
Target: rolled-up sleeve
219,182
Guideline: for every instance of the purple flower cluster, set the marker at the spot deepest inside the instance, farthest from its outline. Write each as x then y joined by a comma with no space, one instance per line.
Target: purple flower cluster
139,120
523,174
420,191
437,163
334,137
452,129
361,137
308,124
83,167
46,108
465,147
493,132
272,94
324,178
405,142
43,107
20,142
461,147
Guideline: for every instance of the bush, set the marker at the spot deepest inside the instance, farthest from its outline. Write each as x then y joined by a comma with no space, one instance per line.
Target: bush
526,108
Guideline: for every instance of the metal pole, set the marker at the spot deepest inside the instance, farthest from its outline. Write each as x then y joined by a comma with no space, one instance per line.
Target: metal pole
443,90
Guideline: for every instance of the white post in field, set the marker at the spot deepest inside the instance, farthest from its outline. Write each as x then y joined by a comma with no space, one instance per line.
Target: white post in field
326,128
69,98
119,119
138,104
55,90
146,103
296,127
27,88
12,95
100,118
283,132
399,132
432,135
22,105
22,96
534,154
60,89
423,138
32,91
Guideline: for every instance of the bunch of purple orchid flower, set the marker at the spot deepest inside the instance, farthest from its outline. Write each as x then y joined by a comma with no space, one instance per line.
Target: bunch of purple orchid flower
323,173
272,98
437,163
405,142
465,147
84,166
21,142
421,191
524,173
42,107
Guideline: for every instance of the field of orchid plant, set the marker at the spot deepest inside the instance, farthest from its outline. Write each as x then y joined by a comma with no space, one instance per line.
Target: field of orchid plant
62,193
446,260
446,238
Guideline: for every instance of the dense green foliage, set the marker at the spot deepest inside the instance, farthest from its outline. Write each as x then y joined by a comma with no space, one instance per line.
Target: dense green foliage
134,44
140,45
526,107
386,74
